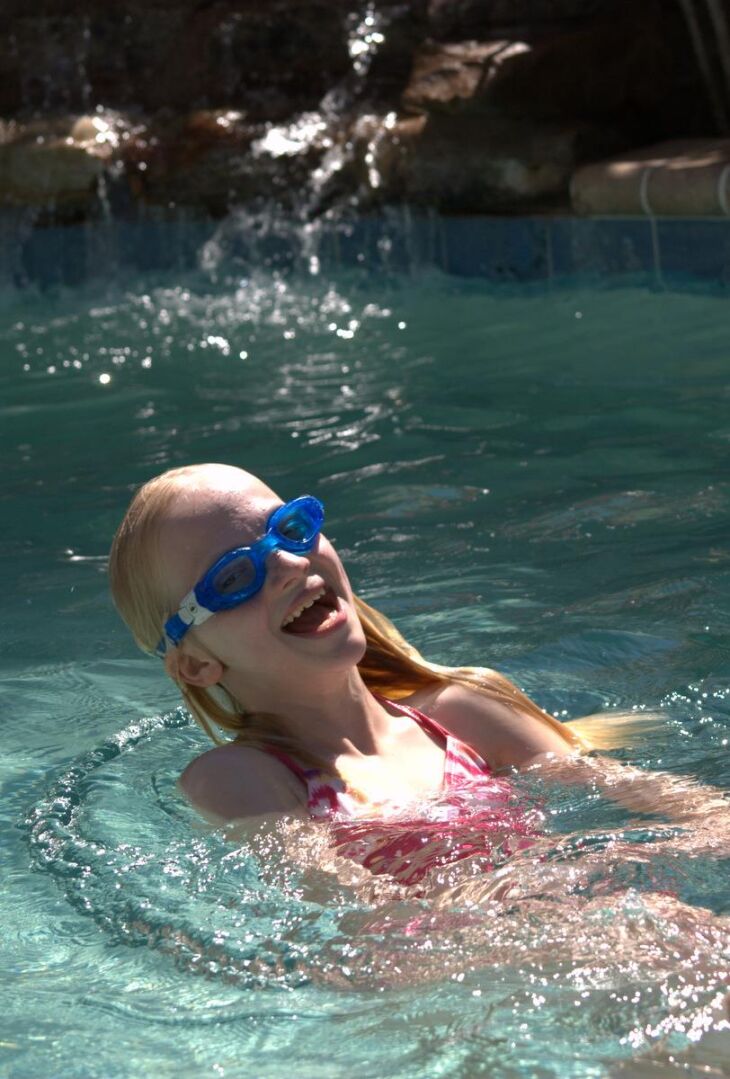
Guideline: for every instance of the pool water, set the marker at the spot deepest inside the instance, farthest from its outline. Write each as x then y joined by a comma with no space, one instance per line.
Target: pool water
534,479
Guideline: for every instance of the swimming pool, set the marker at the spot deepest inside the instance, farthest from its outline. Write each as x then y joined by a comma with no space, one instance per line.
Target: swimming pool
532,476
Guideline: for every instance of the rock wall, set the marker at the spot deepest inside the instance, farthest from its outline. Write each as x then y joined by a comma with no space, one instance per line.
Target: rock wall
461,105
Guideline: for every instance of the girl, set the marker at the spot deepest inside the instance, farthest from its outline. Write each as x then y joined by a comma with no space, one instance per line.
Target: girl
333,713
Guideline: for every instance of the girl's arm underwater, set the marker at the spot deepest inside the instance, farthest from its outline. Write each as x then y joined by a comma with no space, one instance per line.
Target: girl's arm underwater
678,798
506,738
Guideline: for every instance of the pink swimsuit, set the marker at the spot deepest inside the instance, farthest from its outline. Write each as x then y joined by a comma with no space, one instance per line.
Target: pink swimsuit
474,815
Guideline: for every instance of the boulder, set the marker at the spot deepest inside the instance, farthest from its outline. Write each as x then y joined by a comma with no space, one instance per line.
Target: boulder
479,165
467,153
215,159
56,163
452,20
271,60
192,159
462,162
455,76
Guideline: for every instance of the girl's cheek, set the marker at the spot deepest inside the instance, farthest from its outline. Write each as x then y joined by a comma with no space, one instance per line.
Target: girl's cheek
244,627
327,551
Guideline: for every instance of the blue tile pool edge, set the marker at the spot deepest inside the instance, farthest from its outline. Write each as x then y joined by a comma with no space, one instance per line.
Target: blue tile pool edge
504,250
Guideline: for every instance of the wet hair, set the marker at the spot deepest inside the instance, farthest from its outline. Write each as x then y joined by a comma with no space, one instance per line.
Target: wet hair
391,666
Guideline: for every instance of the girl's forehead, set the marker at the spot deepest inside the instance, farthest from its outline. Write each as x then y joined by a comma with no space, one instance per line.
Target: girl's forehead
238,505
205,521
222,494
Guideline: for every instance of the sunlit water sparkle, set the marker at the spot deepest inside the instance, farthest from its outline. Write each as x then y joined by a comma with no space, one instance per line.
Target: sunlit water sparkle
514,485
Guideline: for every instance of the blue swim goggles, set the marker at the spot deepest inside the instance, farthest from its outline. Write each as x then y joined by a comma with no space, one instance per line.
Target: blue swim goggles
239,574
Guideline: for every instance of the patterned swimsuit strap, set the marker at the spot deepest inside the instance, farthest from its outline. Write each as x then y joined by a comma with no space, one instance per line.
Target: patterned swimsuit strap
461,759
294,766
429,725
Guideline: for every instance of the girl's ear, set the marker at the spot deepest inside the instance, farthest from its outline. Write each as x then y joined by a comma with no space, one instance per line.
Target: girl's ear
183,666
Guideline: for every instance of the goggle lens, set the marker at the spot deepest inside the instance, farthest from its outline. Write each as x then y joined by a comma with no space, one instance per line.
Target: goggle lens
235,577
298,526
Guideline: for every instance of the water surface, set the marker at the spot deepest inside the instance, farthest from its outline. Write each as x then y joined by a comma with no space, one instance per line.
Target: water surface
534,480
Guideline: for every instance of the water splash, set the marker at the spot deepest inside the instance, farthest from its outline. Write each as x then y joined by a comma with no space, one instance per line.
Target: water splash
365,36
573,926
324,135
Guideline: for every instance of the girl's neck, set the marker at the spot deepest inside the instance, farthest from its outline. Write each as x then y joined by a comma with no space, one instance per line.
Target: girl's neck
335,718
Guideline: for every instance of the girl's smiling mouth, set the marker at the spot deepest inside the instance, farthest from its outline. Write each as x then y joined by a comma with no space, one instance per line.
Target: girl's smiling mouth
316,615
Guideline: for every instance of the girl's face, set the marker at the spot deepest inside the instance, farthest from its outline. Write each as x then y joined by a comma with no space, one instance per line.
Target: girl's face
272,641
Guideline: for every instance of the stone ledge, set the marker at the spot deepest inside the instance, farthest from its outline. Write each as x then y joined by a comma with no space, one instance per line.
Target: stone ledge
681,178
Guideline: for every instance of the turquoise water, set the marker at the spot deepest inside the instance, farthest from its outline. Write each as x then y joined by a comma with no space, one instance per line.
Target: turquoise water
535,480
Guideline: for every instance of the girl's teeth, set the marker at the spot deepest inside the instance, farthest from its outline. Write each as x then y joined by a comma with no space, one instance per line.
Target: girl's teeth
302,608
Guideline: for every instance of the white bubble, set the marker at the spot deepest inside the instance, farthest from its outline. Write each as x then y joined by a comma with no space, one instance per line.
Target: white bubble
105,378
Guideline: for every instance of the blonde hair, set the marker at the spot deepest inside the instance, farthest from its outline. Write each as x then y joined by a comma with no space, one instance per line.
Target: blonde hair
391,666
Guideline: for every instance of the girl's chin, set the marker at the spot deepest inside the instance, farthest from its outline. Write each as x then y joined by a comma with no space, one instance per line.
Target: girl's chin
340,641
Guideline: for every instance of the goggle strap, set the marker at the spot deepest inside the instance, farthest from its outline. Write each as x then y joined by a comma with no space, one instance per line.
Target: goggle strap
190,613
176,628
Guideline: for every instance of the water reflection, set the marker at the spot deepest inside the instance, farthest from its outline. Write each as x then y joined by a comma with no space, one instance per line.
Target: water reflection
600,929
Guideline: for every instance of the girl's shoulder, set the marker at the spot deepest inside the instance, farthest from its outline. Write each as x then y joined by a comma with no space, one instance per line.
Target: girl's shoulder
234,781
449,698
504,736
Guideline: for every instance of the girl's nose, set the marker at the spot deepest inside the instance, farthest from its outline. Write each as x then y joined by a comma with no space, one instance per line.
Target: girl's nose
285,567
